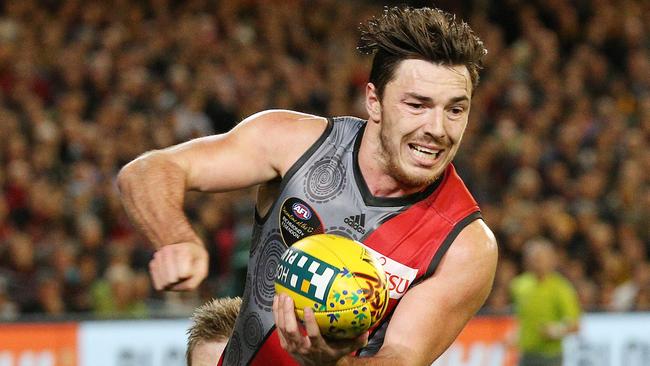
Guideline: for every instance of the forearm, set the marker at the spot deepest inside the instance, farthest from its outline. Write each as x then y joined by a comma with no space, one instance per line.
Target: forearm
152,190
385,357
369,361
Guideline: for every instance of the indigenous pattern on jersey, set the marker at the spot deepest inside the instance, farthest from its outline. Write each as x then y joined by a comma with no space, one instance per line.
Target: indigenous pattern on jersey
324,191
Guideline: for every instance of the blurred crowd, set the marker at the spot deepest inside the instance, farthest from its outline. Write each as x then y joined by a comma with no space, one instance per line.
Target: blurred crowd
557,144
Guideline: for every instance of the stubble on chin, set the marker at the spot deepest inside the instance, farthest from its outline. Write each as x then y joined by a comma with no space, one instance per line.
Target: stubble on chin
410,180
389,162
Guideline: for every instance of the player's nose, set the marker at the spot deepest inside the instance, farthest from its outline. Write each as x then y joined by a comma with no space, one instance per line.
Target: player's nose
435,123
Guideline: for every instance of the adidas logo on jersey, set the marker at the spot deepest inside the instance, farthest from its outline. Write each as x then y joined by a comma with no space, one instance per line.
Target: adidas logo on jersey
357,222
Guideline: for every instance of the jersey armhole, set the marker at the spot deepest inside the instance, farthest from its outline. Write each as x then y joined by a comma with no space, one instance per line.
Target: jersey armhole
433,265
294,168
448,241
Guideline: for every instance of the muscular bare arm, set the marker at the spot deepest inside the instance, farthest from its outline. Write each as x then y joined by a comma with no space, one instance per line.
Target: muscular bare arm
430,316
153,186
152,190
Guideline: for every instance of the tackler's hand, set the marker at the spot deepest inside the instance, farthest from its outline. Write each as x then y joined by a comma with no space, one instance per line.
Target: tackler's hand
305,343
179,267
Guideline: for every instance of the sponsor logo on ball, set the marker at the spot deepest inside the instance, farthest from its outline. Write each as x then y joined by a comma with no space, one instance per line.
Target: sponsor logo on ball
305,275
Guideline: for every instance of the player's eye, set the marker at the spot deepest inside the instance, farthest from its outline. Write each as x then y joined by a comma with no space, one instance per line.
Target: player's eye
456,111
415,105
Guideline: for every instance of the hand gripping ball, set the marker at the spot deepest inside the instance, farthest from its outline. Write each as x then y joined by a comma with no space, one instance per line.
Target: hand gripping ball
339,279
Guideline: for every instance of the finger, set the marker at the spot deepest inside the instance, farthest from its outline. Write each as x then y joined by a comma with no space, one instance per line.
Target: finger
159,259
282,324
156,270
155,276
275,309
313,331
182,284
279,322
183,262
191,266
197,272
291,325
276,314
169,272
283,341
298,330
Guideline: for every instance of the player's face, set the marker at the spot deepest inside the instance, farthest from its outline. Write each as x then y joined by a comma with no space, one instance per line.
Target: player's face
423,115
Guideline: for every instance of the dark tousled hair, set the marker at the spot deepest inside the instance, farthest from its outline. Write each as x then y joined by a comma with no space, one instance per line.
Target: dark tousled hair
424,33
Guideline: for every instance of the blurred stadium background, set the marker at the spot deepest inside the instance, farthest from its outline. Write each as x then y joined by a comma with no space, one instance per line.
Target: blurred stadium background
557,145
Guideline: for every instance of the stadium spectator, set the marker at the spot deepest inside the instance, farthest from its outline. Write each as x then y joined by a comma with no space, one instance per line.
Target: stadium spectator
8,309
565,98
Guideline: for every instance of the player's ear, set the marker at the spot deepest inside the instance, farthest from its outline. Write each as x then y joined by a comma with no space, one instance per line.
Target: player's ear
373,105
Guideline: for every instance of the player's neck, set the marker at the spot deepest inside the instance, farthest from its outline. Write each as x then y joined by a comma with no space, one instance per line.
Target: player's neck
383,185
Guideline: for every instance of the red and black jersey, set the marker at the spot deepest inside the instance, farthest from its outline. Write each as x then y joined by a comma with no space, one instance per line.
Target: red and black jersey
325,192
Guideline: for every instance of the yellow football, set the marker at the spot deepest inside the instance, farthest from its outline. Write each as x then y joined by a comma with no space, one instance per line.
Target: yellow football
339,279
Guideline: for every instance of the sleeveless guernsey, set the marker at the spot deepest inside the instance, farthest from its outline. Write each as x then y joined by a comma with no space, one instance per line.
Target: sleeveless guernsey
324,191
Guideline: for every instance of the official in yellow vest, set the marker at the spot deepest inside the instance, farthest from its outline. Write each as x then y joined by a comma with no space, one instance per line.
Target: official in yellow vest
546,306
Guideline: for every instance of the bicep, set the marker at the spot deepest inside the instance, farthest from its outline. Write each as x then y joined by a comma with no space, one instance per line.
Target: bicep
221,162
254,152
433,313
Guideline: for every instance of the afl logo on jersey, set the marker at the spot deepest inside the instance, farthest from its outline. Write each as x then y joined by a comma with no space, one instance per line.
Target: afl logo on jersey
301,211
297,220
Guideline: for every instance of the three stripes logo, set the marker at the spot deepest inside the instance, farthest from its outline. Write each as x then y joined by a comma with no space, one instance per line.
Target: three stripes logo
305,274
357,222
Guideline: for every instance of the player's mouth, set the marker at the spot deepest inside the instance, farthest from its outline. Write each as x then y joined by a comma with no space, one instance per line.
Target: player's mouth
425,155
